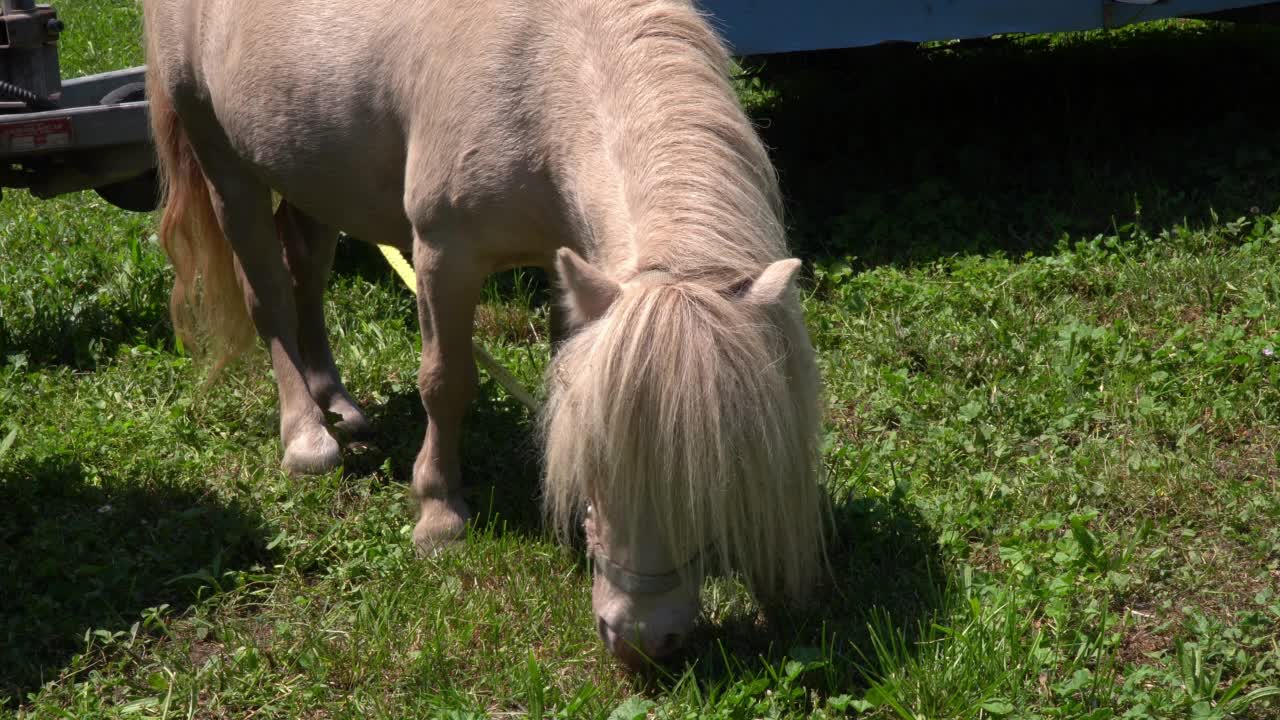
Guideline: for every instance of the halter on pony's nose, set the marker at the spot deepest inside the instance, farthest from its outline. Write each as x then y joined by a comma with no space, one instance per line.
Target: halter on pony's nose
632,582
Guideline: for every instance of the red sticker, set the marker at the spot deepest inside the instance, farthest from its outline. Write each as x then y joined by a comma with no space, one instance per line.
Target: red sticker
36,135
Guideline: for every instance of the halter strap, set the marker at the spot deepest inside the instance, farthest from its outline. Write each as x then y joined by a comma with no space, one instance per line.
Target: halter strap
632,582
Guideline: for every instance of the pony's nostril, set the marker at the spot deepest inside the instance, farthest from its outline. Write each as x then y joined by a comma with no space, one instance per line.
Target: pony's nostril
669,644
603,628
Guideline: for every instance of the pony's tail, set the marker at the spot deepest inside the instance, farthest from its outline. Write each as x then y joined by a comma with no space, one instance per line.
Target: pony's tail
206,305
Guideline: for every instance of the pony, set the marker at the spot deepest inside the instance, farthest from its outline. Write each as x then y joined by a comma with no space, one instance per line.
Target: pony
601,141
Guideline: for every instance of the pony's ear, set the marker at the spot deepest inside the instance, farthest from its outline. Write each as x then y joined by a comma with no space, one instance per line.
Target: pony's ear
773,283
588,293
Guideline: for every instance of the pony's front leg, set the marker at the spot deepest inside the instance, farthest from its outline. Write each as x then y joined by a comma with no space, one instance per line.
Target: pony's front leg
448,291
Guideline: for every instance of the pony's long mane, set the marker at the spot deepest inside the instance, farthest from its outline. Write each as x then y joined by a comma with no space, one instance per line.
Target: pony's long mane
684,396
657,135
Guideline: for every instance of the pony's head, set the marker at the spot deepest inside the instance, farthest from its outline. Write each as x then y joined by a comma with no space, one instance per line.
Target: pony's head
683,418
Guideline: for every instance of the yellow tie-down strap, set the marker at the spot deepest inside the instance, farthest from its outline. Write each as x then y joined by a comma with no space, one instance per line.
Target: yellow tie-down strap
491,366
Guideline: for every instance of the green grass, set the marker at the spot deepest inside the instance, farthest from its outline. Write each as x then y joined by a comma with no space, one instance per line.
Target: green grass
1045,288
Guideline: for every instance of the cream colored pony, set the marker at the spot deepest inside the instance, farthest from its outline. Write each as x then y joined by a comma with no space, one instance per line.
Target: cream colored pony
598,139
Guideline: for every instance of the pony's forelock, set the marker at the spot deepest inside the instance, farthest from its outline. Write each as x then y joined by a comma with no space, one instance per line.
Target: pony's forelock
702,408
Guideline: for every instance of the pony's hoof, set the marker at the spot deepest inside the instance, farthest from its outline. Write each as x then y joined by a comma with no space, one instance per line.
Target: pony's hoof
357,431
353,427
312,453
442,523
348,421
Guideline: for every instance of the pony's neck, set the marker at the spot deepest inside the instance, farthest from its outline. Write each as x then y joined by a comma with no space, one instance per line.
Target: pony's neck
659,161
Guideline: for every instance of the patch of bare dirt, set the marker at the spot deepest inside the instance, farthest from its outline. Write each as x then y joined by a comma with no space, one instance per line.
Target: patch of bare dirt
987,557
1148,632
1250,454
202,650
848,420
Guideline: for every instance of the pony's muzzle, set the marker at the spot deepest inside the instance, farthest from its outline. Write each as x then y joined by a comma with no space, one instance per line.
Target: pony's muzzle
639,646
641,629
642,616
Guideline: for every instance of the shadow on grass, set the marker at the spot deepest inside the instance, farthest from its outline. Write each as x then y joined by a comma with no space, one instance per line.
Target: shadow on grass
886,568
85,341
355,258
904,154
80,552
501,466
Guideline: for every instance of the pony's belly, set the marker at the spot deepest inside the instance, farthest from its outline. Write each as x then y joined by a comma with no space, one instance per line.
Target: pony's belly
354,186
359,210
